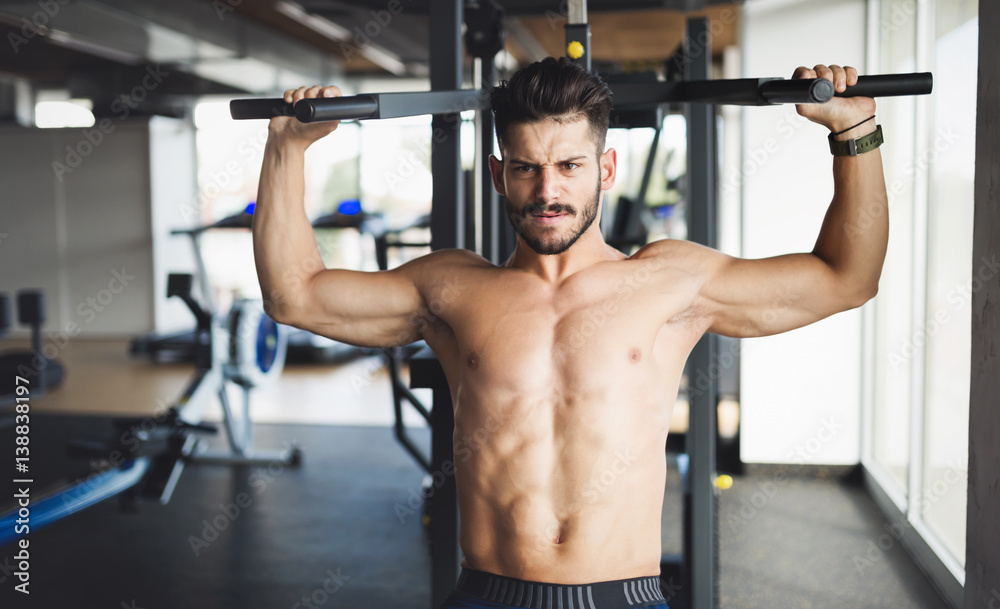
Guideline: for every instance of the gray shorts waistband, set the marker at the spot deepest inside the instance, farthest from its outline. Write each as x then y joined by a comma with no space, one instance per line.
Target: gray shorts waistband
636,592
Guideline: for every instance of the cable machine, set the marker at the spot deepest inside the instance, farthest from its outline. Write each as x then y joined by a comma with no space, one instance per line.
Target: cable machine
698,567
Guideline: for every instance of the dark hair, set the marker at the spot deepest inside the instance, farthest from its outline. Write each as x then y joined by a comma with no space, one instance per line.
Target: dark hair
559,89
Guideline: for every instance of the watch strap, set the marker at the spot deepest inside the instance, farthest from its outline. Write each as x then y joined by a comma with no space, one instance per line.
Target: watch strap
861,145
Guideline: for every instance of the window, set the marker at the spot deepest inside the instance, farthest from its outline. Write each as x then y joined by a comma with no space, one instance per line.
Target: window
951,274
894,348
919,411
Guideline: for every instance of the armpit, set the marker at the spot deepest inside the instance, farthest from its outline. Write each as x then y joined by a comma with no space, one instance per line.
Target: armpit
696,317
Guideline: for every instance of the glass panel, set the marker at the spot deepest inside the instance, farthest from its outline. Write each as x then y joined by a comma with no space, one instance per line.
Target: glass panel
893,309
952,275
229,157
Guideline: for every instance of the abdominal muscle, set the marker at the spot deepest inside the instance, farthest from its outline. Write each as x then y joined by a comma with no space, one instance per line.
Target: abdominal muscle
563,397
562,487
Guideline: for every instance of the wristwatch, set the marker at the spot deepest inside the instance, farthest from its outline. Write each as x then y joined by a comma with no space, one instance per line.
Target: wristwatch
865,143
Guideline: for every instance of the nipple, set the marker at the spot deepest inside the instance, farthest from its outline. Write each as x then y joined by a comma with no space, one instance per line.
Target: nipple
634,355
473,360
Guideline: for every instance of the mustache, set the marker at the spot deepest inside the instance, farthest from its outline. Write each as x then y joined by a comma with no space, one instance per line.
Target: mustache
542,208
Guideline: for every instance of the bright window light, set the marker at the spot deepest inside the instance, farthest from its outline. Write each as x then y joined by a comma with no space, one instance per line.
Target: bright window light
70,113
210,114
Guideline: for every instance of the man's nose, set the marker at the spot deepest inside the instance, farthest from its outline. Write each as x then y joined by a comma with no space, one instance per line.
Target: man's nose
549,186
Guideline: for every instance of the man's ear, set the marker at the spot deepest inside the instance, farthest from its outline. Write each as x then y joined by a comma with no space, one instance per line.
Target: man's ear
609,168
496,170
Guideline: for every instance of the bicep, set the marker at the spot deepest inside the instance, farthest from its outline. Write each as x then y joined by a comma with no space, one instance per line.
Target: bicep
746,298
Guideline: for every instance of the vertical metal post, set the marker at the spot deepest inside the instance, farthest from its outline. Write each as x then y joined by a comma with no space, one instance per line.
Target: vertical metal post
444,506
447,231
17,102
447,213
703,554
491,213
647,172
982,562
578,32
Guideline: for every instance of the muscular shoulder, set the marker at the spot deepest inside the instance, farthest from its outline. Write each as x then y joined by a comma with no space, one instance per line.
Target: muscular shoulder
456,258
448,269
685,256
683,267
444,262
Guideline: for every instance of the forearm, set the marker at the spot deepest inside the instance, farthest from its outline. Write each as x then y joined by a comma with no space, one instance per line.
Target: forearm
285,251
855,231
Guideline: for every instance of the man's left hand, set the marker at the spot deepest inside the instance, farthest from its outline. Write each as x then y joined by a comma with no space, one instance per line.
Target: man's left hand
840,112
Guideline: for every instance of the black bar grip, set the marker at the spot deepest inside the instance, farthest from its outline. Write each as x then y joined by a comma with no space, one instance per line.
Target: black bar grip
336,108
888,85
307,110
246,109
796,91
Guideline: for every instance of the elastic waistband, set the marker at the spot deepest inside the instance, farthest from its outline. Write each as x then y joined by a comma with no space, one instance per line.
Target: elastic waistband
637,592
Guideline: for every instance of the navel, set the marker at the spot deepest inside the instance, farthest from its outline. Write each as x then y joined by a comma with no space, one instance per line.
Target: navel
634,355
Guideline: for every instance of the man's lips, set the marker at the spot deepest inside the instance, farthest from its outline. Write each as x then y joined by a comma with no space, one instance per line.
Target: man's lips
548,218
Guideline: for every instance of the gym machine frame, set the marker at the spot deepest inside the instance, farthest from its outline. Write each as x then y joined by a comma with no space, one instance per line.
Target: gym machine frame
152,467
213,373
445,100
629,96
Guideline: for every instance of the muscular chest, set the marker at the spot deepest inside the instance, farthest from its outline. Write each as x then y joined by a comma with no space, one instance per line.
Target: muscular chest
569,341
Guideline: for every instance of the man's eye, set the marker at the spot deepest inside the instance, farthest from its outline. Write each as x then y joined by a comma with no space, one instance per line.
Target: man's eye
523,168
571,165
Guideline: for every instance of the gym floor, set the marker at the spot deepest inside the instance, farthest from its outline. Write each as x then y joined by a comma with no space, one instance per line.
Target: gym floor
348,519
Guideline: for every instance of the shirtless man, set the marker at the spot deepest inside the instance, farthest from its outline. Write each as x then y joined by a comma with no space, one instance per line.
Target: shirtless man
565,360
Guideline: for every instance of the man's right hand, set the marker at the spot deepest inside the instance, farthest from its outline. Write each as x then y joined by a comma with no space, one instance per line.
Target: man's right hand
290,130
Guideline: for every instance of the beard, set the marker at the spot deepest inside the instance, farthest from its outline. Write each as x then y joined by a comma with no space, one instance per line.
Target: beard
535,241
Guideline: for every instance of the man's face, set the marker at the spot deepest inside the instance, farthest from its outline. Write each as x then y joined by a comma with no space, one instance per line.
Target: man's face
552,178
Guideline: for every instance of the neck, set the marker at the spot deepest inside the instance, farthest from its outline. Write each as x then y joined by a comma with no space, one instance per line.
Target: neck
588,250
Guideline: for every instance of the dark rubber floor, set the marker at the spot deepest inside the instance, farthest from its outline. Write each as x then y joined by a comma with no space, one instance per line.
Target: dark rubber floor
339,532
816,544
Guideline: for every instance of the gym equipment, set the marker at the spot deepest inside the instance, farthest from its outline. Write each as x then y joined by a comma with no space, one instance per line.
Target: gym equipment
578,33
695,94
484,39
349,214
698,572
42,371
182,346
244,347
627,228
376,106
737,91
395,357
